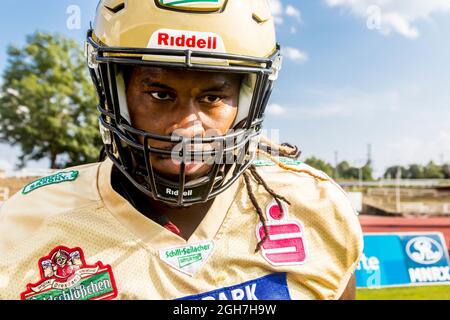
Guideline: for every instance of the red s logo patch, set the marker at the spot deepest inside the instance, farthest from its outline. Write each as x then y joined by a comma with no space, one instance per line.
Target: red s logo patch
286,242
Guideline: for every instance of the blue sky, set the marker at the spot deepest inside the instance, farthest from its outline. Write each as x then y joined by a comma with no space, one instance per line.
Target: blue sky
356,72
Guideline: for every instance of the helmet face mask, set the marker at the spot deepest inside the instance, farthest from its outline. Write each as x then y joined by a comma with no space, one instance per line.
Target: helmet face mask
132,149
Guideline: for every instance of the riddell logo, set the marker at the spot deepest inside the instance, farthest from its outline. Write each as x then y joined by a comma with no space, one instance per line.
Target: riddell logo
165,39
181,39
171,192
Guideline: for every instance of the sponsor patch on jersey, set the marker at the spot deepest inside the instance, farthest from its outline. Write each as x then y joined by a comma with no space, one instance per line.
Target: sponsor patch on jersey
184,40
270,287
66,276
53,179
189,258
193,5
286,242
270,163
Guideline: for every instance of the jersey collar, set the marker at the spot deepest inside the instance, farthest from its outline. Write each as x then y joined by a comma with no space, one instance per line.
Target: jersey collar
150,232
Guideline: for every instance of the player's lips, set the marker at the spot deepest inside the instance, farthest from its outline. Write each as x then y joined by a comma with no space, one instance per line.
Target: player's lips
170,164
172,168
190,151
175,165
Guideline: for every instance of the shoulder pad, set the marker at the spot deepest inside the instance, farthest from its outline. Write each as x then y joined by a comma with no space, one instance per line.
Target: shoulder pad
27,210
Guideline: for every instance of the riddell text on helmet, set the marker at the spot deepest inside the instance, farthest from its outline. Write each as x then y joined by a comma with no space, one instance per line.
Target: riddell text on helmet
165,39
185,39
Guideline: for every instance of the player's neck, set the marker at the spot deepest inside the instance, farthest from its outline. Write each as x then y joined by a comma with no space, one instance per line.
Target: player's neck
186,219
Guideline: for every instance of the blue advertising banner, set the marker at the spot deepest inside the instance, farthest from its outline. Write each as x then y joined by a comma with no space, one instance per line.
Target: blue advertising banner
403,259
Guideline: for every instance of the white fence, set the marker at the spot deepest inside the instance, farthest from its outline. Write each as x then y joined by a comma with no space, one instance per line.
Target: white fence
408,193
409,207
425,208
424,183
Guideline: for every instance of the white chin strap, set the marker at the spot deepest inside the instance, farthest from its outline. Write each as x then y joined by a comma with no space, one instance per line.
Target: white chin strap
245,97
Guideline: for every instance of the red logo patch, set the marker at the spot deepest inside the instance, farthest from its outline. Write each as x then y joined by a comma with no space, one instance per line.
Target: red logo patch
66,276
286,242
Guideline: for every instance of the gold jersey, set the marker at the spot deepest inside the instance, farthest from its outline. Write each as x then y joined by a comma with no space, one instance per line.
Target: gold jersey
70,236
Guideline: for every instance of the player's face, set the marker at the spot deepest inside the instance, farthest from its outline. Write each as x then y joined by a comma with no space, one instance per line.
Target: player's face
184,103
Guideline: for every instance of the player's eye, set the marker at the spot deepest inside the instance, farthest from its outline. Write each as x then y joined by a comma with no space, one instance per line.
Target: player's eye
161,95
211,99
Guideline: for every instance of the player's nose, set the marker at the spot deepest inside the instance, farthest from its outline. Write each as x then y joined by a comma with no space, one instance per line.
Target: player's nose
186,121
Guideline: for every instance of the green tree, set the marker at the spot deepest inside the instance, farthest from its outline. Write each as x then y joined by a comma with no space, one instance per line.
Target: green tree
415,171
446,170
346,171
391,172
343,170
321,165
367,172
433,171
48,103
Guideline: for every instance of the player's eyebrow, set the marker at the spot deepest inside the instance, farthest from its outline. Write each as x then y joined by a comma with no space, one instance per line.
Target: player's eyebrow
156,84
215,87
218,87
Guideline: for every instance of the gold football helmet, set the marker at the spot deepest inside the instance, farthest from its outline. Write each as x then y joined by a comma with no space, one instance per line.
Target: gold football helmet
206,35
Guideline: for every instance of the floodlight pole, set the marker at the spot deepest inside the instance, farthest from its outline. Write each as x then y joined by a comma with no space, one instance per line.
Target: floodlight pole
360,177
397,190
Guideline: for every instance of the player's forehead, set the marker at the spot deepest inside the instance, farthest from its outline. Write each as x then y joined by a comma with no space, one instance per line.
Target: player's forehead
149,75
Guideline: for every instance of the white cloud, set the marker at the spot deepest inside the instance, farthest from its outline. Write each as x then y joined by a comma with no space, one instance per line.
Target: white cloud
416,149
348,103
394,15
276,110
5,165
324,111
399,24
405,124
279,11
304,112
294,54
292,11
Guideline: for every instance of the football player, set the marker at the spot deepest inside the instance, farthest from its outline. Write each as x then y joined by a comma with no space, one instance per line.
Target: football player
187,201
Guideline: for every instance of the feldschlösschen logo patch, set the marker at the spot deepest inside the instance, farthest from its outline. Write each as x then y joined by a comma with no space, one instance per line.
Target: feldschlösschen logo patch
66,276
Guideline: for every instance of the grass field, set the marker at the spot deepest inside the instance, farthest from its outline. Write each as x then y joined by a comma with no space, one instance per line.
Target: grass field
409,293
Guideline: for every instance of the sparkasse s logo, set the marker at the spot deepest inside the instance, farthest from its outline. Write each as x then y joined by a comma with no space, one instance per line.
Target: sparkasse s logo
424,250
183,40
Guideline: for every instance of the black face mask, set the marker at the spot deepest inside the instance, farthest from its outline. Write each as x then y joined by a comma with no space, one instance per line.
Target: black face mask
122,142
